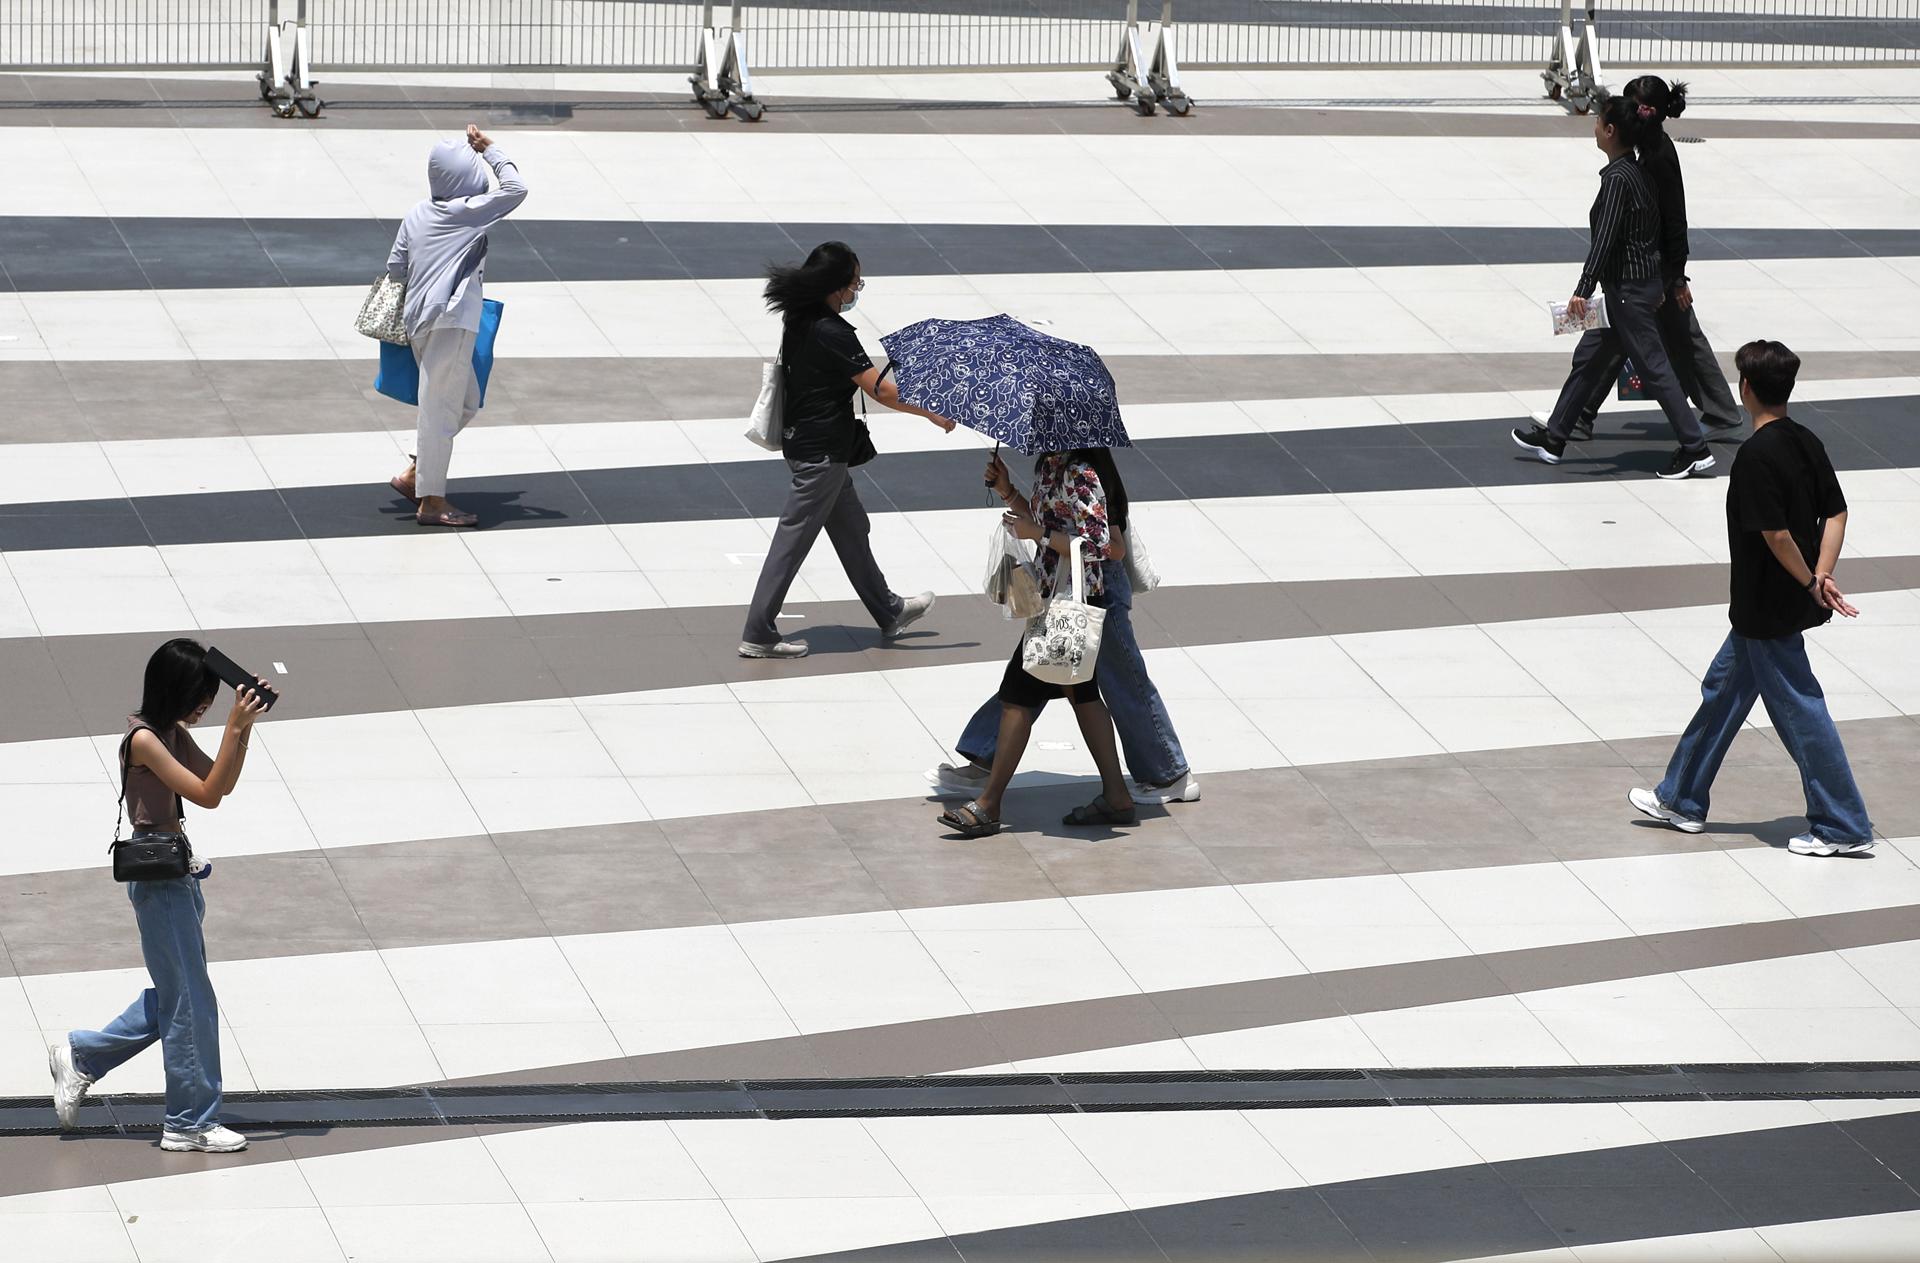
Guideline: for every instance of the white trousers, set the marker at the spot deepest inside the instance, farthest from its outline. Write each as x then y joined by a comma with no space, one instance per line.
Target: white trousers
449,397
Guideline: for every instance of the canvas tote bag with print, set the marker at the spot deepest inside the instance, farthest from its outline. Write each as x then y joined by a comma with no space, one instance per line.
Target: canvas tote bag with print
1063,641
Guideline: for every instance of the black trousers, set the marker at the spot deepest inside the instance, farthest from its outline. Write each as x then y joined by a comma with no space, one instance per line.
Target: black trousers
1632,307
1694,363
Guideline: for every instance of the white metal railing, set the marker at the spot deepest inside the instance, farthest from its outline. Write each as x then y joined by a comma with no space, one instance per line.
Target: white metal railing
1132,40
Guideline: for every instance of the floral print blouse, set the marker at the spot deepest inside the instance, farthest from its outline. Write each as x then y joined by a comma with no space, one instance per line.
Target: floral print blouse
1067,497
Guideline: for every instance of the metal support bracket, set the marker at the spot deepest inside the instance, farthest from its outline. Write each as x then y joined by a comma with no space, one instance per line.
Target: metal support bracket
722,83
287,83
1149,79
1574,74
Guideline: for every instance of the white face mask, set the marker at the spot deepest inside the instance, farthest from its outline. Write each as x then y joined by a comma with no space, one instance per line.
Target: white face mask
853,300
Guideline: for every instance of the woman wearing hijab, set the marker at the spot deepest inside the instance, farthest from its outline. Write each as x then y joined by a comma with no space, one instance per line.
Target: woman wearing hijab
441,253
1694,362
823,442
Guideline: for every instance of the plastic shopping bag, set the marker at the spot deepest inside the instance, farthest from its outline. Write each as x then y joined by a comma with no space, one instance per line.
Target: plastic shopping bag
1013,581
399,374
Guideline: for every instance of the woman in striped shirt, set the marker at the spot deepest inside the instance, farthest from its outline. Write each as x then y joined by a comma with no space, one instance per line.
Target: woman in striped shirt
1623,261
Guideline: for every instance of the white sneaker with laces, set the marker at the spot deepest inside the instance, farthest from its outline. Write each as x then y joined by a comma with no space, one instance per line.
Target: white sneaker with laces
215,1139
957,780
69,1085
1647,802
1184,790
1808,844
912,610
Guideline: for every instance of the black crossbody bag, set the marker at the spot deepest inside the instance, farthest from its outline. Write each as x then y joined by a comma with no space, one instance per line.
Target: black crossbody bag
148,855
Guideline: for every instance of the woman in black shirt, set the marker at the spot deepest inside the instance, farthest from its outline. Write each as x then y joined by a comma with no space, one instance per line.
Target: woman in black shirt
823,441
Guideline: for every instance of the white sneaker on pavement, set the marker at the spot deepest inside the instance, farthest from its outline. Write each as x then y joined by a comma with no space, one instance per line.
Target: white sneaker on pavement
957,780
215,1139
912,610
69,1085
1808,844
1646,801
1184,790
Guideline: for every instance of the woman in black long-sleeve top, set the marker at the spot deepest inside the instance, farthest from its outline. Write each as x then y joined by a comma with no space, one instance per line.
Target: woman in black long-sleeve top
1624,261
1687,347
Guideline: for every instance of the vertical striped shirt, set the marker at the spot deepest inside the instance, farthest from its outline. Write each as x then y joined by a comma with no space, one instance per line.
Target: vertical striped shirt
1625,227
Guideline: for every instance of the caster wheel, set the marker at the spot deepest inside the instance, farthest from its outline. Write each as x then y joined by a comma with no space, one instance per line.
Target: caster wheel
714,109
1581,105
1178,106
1122,90
749,111
1553,91
283,109
309,107
1143,106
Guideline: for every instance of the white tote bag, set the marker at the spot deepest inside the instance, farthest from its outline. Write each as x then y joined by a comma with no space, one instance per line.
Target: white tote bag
1141,576
1063,642
766,423
383,313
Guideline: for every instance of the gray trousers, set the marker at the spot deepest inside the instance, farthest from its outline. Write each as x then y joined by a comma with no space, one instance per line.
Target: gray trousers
823,495
1634,331
1694,363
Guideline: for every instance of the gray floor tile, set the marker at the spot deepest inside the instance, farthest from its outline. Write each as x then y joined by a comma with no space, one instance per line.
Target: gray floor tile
770,885
1486,598
1680,1206
38,705
592,881
407,901
1090,863
1117,1238
1458,1213
892,842
433,665
1339,606
1290,1224
1418,806
1268,808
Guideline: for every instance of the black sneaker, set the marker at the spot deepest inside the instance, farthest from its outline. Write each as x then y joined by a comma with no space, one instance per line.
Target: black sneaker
1540,443
1581,432
1685,464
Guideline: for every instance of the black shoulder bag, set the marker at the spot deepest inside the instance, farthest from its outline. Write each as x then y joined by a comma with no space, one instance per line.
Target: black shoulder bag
148,855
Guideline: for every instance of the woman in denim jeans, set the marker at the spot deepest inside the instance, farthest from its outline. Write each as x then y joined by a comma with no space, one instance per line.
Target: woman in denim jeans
162,766
1152,749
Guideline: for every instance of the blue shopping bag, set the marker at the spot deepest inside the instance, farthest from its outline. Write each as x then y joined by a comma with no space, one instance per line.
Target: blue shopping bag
399,375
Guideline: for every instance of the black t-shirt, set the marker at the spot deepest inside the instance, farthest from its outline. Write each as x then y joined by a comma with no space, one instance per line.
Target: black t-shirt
822,355
1781,480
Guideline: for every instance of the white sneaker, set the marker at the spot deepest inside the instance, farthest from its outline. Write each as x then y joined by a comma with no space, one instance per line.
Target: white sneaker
912,610
1808,844
1649,803
1184,790
69,1085
778,649
957,780
215,1139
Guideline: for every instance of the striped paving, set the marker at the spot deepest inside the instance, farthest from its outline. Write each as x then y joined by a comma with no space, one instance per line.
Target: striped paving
524,820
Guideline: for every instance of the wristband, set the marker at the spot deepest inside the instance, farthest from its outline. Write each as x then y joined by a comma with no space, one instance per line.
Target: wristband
1813,583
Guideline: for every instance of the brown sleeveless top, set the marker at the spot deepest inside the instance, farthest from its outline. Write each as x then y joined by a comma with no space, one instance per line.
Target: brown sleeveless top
150,804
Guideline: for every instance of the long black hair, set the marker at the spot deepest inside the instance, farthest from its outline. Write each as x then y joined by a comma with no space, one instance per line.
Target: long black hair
1101,458
1666,100
178,683
800,292
1623,115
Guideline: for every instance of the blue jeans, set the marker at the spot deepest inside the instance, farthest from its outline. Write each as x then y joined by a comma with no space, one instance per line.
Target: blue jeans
1152,749
1776,672
178,1010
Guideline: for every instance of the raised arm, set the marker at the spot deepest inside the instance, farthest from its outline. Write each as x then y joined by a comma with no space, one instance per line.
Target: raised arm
200,781
496,204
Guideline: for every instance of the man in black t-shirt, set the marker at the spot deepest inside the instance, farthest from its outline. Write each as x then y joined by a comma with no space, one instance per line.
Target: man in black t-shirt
1786,520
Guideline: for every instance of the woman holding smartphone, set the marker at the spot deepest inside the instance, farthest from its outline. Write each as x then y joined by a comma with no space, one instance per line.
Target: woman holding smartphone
161,765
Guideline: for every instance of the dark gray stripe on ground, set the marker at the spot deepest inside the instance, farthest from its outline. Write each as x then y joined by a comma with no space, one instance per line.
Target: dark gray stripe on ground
71,686
1873,433
158,102
52,253
1483,809
1753,1179
1010,1036
946,1095
84,400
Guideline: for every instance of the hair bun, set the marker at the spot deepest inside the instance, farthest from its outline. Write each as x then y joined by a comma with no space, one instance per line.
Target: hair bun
1676,100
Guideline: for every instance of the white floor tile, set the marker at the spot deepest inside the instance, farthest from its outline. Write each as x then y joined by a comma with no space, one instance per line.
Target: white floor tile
437,1234
640,1232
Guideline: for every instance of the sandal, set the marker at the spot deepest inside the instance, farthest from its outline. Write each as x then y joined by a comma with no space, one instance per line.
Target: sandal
1100,811
400,487
447,517
969,821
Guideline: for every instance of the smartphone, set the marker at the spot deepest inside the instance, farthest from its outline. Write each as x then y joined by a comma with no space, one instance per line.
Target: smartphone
232,672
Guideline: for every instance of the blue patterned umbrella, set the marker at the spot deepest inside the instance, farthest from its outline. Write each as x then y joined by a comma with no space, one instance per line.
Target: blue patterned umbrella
1020,387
